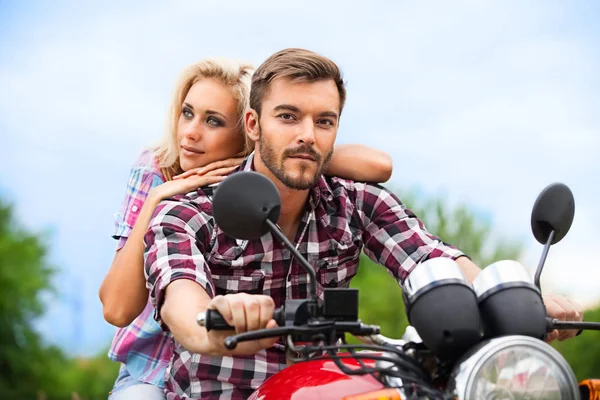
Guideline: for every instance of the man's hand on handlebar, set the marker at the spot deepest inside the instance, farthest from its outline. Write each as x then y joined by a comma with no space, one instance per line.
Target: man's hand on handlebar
246,313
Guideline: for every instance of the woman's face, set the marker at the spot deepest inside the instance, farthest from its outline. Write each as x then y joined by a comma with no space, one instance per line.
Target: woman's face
207,129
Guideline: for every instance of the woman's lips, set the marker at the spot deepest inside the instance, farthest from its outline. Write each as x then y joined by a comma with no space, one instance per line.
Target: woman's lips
190,151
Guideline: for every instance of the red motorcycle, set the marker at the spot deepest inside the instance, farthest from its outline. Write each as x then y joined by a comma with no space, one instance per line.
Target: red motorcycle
466,341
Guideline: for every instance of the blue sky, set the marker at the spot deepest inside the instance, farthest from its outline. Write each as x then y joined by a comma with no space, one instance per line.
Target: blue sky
481,102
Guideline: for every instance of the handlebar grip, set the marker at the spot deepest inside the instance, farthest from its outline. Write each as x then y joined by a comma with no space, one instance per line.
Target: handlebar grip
213,320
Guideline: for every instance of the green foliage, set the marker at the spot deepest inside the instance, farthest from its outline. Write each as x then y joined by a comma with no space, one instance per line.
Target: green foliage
583,352
463,228
24,274
380,296
31,370
28,368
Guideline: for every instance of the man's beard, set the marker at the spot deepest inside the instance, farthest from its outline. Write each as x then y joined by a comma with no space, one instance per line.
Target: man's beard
269,158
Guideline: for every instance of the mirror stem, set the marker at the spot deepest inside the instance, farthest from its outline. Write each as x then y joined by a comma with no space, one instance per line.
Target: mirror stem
312,282
538,272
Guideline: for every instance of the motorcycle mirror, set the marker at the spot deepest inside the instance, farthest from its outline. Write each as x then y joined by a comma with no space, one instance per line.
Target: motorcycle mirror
242,204
551,219
553,210
246,205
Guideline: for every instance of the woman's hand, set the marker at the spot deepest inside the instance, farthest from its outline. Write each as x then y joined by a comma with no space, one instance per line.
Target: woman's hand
230,163
195,178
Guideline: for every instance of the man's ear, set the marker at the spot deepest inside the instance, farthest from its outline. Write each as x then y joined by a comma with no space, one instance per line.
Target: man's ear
252,125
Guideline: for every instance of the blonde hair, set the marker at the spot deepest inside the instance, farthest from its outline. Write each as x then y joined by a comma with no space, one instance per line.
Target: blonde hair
234,74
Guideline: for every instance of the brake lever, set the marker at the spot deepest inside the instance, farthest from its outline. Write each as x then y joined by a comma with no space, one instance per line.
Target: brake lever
232,341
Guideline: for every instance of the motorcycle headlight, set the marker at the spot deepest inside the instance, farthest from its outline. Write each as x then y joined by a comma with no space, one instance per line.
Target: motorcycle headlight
513,367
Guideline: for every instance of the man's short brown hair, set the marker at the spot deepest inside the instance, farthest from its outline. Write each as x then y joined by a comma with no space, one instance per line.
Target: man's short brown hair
299,65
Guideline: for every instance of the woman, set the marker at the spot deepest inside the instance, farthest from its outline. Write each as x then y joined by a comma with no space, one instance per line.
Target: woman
205,141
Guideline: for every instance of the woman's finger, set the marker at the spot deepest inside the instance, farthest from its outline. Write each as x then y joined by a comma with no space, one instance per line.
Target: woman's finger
220,171
228,163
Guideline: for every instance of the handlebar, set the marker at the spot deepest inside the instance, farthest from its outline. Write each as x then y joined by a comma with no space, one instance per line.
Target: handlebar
213,320
563,325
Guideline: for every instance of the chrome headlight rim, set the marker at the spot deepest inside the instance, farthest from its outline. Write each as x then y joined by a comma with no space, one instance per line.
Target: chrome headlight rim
462,380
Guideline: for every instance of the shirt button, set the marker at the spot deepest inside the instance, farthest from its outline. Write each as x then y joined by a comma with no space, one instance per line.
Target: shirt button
134,208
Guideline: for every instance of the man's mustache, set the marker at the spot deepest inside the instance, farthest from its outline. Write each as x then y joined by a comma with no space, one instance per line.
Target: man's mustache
304,149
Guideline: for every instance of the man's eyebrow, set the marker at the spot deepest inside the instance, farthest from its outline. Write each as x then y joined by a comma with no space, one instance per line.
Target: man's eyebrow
286,107
331,114
289,107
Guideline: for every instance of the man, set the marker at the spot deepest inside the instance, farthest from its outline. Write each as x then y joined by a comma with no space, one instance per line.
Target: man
296,101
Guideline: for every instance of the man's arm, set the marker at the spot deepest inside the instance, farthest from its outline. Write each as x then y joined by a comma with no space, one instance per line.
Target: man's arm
184,299
469,268
180,285
396,238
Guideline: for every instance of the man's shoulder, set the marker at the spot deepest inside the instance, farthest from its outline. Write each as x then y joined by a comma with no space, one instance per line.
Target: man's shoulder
349,188
366,198
195,205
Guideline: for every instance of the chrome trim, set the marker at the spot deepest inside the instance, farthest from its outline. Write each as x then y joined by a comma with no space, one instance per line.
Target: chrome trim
461,379
411,335
201,319
381,340
500,273
430,272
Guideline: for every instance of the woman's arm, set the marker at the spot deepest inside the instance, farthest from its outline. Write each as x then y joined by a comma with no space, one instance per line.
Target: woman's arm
123,292
360,163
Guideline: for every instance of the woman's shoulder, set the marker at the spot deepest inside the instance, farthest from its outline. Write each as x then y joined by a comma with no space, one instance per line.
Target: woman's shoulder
146,164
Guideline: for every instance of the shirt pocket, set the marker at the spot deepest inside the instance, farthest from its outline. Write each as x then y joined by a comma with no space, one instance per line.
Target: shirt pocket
228,281
226,252
338,271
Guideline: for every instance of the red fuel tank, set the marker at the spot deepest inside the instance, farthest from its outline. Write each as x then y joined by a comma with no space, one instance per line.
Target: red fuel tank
316,380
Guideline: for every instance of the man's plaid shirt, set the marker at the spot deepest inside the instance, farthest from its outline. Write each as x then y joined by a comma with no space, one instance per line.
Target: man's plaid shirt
341,218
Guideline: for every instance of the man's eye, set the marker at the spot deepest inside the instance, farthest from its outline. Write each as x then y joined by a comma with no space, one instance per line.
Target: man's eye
214,121
326,122
187,113
287,117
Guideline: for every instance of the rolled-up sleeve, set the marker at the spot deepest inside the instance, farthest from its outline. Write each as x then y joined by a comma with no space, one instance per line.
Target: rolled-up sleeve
175,250
393,235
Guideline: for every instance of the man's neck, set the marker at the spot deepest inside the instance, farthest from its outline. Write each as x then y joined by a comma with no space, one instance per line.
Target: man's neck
293,201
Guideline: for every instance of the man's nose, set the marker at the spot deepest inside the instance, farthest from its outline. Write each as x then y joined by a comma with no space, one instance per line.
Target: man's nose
306,135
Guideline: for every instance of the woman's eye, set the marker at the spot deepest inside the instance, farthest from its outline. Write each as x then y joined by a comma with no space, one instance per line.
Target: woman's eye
214,121
187,113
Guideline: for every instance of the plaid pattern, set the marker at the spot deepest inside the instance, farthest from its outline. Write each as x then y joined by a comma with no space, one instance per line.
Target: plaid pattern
340,218
143,347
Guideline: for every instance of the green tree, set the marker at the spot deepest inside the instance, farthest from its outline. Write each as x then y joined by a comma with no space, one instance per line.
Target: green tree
29,369
24,274
380,296
583,352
